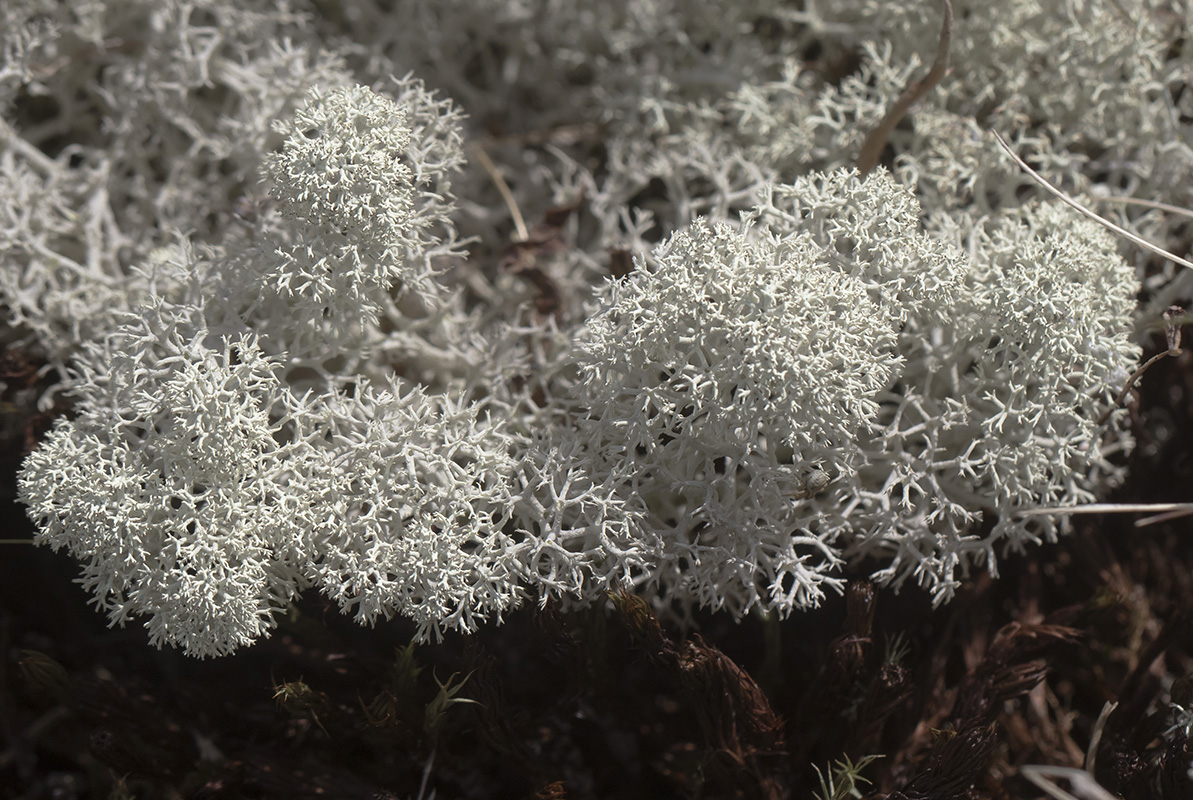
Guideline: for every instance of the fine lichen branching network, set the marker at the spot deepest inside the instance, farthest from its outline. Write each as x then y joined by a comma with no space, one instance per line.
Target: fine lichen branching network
264,249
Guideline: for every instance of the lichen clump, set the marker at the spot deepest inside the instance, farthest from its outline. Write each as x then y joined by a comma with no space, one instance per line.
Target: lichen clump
722,368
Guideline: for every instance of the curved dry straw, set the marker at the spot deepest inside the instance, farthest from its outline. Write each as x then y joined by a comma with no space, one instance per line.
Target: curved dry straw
1173,319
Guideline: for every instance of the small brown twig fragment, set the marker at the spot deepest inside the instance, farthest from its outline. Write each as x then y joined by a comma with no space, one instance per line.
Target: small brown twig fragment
871,151
547,238
1174,317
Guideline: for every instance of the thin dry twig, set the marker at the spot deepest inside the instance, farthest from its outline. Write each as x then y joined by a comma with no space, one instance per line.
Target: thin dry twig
1167,208
1164,511
871,151
1091,755
1082,785
1144,243
1173,317
478,152
1185,511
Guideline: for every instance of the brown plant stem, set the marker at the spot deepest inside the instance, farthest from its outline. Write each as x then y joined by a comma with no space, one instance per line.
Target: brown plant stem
871,151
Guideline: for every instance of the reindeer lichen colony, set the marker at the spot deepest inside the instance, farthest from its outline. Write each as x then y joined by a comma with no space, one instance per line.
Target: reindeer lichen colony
806,367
